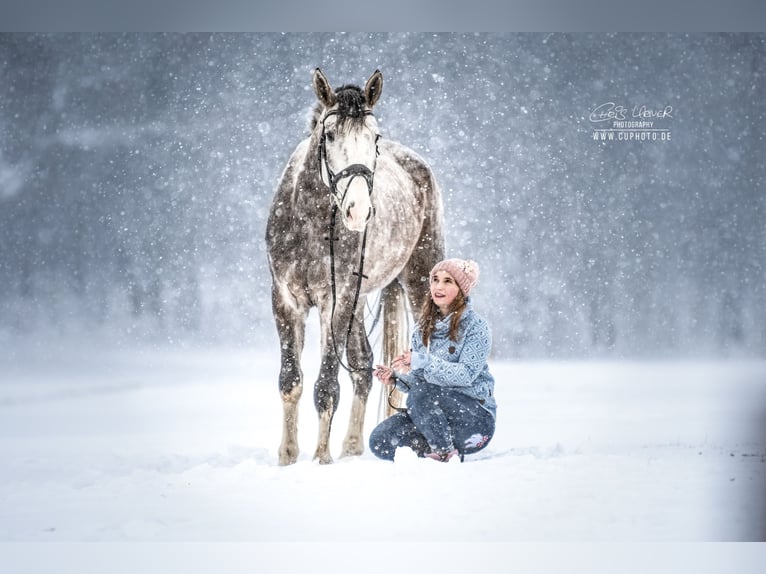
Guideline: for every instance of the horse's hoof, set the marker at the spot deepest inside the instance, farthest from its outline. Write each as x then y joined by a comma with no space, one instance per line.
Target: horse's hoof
324,458
287,457
354,448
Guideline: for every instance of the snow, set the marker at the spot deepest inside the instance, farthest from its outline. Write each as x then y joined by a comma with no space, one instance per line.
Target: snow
181,445
137,171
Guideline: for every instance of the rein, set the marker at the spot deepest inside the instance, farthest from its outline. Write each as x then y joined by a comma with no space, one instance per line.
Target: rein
351,171
359,274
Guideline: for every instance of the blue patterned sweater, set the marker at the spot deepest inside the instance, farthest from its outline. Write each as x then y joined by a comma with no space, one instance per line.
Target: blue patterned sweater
461,366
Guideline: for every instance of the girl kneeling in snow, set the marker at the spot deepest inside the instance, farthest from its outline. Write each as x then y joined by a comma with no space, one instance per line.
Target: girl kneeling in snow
450,403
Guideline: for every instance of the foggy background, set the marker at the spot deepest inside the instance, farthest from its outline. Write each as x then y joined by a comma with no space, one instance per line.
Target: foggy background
136,173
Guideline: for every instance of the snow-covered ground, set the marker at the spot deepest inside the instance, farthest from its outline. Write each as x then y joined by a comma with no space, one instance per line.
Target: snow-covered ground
181,445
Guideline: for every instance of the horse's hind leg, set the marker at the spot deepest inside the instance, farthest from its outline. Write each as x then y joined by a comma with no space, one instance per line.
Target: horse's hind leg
429,251
359,356
291,325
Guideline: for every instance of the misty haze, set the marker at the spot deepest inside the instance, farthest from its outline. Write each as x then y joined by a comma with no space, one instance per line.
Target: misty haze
136,173
611,188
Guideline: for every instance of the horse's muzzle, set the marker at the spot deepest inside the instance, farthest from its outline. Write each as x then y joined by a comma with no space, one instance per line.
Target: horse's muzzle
355,202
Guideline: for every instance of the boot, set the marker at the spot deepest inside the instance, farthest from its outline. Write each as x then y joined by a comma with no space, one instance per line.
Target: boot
442,456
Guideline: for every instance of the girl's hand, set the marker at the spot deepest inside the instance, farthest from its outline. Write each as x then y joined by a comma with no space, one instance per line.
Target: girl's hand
384,374
402,363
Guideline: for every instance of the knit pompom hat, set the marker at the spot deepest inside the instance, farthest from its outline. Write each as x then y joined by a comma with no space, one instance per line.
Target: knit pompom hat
464,271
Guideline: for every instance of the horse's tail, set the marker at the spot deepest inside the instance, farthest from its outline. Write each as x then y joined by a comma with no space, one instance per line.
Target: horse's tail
395,339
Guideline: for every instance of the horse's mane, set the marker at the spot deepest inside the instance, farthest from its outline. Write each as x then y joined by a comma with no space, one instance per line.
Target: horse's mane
351,106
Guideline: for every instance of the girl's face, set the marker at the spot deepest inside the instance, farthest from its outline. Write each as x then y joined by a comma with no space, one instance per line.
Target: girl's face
444,289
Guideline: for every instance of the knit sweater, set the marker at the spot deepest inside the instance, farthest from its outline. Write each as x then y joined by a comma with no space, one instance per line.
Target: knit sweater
460,366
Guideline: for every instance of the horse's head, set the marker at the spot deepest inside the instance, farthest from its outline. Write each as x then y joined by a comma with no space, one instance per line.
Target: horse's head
348,134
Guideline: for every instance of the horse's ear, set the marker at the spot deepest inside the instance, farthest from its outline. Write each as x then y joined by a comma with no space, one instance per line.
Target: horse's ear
323,90
373,88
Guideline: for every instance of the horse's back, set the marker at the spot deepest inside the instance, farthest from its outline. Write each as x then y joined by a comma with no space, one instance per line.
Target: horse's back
409,161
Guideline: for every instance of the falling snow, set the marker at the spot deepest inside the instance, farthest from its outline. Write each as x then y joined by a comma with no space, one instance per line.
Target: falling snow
624,278
136,173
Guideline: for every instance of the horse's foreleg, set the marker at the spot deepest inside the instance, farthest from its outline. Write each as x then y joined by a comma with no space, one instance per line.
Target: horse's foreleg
288,449
327,389
291,323
326,395
359,356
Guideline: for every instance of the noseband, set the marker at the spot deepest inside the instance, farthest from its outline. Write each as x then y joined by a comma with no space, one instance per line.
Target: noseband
352,171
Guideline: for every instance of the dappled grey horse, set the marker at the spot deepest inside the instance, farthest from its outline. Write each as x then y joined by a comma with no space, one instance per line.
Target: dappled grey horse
392,234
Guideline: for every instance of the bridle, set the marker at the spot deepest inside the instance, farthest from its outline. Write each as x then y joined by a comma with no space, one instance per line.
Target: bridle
352,171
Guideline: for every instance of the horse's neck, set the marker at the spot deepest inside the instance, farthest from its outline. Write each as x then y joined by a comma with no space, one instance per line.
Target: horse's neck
311,195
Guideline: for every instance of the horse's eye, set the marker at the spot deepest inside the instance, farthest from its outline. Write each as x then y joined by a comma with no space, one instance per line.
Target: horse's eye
330,136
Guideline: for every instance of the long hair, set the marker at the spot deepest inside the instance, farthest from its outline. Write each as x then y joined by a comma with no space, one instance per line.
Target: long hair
429,314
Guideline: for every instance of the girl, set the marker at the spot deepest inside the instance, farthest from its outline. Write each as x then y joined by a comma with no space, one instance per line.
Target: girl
450,403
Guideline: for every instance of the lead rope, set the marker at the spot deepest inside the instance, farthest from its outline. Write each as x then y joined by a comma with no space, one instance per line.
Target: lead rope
360,275
393,387
391,392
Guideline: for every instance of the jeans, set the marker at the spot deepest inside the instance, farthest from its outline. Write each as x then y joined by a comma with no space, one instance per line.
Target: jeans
437,419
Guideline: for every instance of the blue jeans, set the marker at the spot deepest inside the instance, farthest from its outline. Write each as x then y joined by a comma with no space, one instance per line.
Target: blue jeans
437,420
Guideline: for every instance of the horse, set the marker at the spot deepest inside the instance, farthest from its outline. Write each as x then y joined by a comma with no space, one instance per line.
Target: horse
391,211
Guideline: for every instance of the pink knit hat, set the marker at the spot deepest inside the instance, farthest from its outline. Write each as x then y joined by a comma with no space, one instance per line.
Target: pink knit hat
464,271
